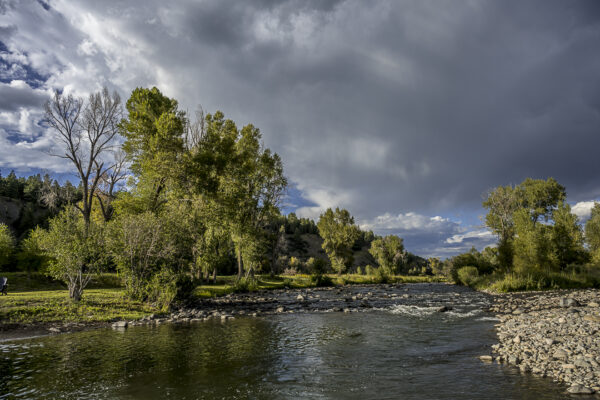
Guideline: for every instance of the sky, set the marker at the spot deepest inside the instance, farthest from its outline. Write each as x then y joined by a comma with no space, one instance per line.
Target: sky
404,112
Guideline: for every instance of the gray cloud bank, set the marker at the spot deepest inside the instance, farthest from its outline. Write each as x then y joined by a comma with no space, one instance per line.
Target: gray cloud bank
382,107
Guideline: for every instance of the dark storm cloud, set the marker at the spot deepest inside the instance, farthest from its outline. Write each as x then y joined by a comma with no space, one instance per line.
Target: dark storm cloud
381,107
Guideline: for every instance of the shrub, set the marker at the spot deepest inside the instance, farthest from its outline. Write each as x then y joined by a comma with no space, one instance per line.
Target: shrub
321,280
76,253
316,266
290,271
467,275
359,270
244,285
381,275
7,245
369,270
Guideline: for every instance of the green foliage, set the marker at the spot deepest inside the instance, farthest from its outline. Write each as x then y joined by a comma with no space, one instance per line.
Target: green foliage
141,249
369,270
359,270
320,280
537,197
467,275
7,245
388,252
316,266
75,252
381,275
472,258
592,233
30,256
567,237
548,280
532,245
339,234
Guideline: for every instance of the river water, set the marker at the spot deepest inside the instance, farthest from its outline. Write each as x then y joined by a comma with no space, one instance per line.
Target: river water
400,349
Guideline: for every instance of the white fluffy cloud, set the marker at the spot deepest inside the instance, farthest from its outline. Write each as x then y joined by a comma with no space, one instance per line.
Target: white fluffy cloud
583,209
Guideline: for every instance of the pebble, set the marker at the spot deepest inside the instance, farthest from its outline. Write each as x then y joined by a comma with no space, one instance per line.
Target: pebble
551,334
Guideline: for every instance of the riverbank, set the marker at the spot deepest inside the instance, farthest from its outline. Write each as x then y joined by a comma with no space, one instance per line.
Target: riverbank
554,334
39,307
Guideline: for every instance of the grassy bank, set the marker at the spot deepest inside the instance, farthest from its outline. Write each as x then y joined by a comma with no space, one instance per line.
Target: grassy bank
37,299
577,278
45,306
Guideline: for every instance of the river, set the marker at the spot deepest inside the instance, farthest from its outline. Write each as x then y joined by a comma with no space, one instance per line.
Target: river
399,349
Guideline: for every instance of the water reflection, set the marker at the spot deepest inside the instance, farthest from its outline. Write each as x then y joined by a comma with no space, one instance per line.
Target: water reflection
376,354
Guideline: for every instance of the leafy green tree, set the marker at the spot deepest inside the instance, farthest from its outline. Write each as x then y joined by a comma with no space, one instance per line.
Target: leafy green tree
212,251
30,256
339,233
245,181
538,197
592,233
7,245
388,252
541,197
533,248
75,250
154,142
501,203
567,236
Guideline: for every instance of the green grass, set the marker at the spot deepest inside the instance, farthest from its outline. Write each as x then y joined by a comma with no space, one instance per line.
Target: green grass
226,284
54,305
578,278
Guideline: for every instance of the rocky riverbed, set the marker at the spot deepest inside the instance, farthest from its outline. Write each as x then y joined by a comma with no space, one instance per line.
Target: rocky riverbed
552,334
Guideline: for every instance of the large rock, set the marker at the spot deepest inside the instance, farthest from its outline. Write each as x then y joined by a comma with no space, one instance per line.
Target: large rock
120,324
592,318
568,302
560,355
578,389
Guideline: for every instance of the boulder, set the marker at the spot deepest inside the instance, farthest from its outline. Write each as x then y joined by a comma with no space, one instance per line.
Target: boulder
579,389
444,309
120,324
568,302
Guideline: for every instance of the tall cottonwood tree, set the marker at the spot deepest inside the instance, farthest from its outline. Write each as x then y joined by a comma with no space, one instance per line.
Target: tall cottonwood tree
339,234
537,197
592,233
86,130
389,253
154,143
245,181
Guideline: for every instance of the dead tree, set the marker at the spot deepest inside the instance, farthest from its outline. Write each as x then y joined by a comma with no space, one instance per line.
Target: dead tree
86,130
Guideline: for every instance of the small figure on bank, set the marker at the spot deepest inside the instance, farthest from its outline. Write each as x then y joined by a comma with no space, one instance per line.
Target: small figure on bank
3,285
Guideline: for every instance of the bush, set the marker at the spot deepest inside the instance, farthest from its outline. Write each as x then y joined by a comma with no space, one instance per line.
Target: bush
369,270
359,270
290,271
581,277
244,285
316,266
381,275
467,276
7,246
321,280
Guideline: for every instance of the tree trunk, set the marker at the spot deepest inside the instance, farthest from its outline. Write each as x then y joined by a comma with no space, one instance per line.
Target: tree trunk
75,292
240,264
214,275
